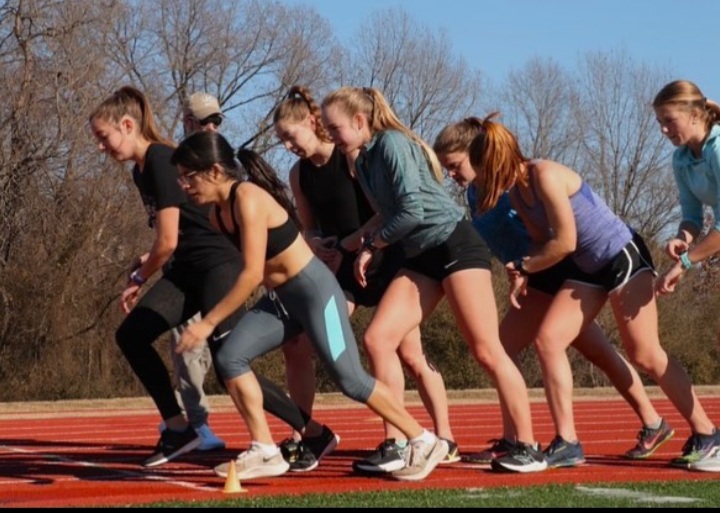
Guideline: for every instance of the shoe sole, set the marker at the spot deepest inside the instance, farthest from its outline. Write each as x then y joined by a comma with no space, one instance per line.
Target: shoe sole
575,462
524,469
258,472
380,469
469,458
436,456
449,460
305,469
190,446
654,449
710,464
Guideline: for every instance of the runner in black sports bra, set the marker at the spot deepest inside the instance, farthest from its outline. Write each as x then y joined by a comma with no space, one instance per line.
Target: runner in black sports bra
279,237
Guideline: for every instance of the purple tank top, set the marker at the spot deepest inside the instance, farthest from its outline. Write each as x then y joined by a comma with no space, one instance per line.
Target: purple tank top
601,235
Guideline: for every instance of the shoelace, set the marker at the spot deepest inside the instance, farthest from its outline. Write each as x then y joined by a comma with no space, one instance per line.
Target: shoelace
386,446
693,443
246,454
554,445
644,433
415,450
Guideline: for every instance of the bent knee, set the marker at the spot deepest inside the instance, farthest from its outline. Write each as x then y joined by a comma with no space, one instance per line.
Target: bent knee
358,389
230,365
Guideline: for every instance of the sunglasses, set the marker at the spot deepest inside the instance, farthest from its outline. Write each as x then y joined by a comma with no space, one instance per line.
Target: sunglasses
215,119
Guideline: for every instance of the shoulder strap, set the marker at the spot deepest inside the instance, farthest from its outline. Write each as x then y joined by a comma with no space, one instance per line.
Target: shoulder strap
236,226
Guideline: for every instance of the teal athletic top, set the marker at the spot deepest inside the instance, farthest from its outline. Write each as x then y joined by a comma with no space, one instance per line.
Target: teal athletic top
698,179
417,210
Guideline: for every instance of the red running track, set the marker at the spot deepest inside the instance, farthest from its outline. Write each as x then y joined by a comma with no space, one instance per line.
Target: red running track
68,460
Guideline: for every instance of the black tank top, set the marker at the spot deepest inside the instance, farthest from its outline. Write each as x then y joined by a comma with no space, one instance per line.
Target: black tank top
278,240
335,198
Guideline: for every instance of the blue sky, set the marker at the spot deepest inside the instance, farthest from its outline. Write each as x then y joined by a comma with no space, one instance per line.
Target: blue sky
502,35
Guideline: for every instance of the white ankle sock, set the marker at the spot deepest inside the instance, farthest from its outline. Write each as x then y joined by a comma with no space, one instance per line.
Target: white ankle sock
426,436
267,449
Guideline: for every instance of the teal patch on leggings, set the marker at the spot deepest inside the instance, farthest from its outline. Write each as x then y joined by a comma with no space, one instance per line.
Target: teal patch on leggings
333,329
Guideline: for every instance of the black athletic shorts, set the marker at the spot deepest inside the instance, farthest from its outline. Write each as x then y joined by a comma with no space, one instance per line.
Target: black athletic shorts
464,249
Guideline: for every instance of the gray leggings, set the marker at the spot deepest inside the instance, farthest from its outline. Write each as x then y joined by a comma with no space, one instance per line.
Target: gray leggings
311,302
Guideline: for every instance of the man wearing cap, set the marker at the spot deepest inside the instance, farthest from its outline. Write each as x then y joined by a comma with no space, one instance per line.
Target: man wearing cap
202,112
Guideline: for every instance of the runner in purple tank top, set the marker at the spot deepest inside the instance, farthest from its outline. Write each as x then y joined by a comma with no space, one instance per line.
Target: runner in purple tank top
566,219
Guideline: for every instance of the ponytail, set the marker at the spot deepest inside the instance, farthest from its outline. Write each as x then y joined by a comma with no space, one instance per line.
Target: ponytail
372,104
128,101
496,157
263,175
298,105
687,95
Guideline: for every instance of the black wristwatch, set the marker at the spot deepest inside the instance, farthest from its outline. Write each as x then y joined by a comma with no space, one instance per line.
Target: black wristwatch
519,265
369,243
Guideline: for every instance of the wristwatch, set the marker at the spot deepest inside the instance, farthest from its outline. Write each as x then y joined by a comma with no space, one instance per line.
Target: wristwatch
137,279
519,265
369,243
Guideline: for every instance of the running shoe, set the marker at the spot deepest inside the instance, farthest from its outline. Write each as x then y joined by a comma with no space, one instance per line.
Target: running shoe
561,453
697,448
254,464
171,445
209,440
522,458
500,447
711,463
311,450
388,457
422,459
453,455
290,449
650,440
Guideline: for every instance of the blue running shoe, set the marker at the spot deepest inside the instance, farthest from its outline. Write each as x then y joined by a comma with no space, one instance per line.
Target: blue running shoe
561,453
697,448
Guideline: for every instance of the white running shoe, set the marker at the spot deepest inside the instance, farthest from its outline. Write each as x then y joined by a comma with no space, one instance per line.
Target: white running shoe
253,464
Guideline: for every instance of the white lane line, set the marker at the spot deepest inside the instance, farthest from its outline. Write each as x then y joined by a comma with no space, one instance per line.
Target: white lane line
122,473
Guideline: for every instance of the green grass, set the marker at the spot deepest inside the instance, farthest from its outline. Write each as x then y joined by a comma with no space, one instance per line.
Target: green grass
678,494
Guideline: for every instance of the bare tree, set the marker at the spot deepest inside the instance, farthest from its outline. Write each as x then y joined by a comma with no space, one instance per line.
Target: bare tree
425,81
624,155
247,53
537,103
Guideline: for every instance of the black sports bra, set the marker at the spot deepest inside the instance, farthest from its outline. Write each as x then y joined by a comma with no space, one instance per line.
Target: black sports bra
279,238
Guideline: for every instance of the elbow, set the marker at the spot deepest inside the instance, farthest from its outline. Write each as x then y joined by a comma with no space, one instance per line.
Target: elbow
566,247
166,248
253,276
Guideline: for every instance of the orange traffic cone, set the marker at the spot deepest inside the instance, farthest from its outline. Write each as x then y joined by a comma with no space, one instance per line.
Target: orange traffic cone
232,483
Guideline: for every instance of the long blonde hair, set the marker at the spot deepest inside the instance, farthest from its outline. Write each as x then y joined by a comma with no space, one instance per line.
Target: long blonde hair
688,96
298,105
496,158
128,101
372,104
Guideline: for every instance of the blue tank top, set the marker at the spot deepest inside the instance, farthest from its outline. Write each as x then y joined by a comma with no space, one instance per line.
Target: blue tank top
278,240
500,227
601,235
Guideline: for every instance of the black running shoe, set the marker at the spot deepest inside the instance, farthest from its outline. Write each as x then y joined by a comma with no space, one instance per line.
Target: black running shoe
522,458
388,457
171,445
290,449
305,460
